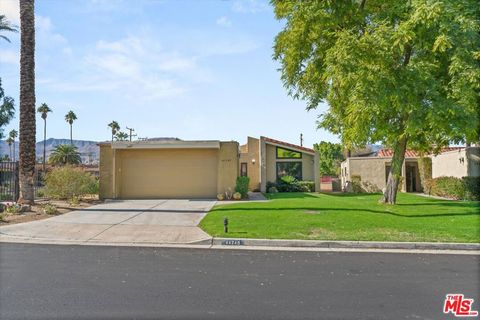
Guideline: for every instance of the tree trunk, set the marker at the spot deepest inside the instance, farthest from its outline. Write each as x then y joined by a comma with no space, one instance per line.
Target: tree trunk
71,136
44,144
390,194
14,153
27,101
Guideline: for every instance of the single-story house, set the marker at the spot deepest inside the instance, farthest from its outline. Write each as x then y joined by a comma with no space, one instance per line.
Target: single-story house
197,169
451,161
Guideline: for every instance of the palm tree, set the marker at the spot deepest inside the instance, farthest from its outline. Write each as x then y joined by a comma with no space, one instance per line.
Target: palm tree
13,135
7,109
27,101
64,154
115,127
10,141
44,110
121,136
70,117
5,25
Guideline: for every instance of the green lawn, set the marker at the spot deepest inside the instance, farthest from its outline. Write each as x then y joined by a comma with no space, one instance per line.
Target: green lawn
348,217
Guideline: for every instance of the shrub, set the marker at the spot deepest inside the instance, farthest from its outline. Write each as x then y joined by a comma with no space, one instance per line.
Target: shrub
94,187
289,184
425,171
49,209
68,182
2,217
308,186
237,196
449,187
472,188
242,186
13,208
272,189
271,184
359,186
220,196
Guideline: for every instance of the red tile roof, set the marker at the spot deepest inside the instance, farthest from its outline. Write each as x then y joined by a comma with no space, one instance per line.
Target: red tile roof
288,145
388,153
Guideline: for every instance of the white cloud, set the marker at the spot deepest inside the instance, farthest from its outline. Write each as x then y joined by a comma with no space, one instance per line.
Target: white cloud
11,9
250,6
224,22
45,31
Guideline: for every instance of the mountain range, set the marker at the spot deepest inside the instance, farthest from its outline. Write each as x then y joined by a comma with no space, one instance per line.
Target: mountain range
89,150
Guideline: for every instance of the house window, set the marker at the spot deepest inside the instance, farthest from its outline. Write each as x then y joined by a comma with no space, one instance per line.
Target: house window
243,169
293,169
283,153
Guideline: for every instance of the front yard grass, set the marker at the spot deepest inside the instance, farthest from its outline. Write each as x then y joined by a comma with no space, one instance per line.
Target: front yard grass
348,217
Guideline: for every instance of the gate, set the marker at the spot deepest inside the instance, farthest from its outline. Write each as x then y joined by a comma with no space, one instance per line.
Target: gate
9,189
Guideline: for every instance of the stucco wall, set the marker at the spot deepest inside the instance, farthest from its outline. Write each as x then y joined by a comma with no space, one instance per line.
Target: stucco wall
251,151
449,164
227,166
106,172
369,169
473,155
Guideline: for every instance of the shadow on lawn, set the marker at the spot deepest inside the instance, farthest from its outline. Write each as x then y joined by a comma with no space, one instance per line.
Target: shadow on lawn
352,210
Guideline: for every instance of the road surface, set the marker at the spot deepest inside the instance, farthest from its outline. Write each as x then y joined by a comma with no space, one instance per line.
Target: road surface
93,282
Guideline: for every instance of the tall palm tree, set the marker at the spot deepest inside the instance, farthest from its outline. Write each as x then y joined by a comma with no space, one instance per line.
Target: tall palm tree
64,154
5,25
13,135
27,101
115,127
70,117
10,141
44,110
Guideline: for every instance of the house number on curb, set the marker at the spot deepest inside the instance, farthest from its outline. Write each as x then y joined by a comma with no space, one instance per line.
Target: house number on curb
232,243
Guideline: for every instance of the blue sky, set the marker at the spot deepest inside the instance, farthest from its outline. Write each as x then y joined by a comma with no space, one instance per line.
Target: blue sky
198,69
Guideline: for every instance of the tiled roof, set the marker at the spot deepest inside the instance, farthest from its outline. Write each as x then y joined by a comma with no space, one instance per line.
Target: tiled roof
288,145
387,153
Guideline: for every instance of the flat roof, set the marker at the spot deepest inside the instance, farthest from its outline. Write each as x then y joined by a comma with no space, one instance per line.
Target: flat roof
169,144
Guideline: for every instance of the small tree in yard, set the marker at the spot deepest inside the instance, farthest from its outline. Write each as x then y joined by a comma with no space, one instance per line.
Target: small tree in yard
402,73
330,157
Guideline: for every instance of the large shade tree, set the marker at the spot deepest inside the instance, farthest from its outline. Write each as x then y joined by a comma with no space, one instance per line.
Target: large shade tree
402,73
27,101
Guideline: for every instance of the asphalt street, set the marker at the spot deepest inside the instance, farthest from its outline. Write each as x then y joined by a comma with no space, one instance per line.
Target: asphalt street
93,282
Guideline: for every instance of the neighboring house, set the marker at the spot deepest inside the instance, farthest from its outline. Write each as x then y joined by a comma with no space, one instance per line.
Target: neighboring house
197,169
459,162
266,160
452,161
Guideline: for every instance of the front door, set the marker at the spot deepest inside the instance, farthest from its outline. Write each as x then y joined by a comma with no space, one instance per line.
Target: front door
411,178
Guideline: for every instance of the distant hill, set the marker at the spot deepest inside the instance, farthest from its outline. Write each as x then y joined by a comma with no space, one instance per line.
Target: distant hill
89,150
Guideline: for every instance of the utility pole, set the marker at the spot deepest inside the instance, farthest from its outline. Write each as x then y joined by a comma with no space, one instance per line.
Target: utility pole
301,139
130,134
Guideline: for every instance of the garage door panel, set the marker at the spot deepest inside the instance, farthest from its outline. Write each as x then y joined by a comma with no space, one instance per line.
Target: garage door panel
176,173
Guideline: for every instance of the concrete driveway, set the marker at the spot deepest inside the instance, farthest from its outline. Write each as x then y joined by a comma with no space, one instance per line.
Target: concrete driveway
120,221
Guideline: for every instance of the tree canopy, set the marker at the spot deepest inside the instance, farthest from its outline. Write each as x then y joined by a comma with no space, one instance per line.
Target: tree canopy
402,73
330,157
7,109
65,154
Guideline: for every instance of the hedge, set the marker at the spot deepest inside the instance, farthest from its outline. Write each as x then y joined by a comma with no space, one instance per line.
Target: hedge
466,188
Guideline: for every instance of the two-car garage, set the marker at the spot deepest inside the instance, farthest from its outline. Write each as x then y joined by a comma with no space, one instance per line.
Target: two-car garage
169,169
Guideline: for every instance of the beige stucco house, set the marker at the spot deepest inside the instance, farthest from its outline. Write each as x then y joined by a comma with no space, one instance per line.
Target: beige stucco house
458,162
452,161
197,169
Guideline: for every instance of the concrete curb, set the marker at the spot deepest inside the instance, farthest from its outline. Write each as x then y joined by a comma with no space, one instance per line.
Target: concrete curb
229,242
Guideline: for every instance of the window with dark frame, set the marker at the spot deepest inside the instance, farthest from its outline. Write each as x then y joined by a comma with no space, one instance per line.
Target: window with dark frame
243,169
283,153
291,168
